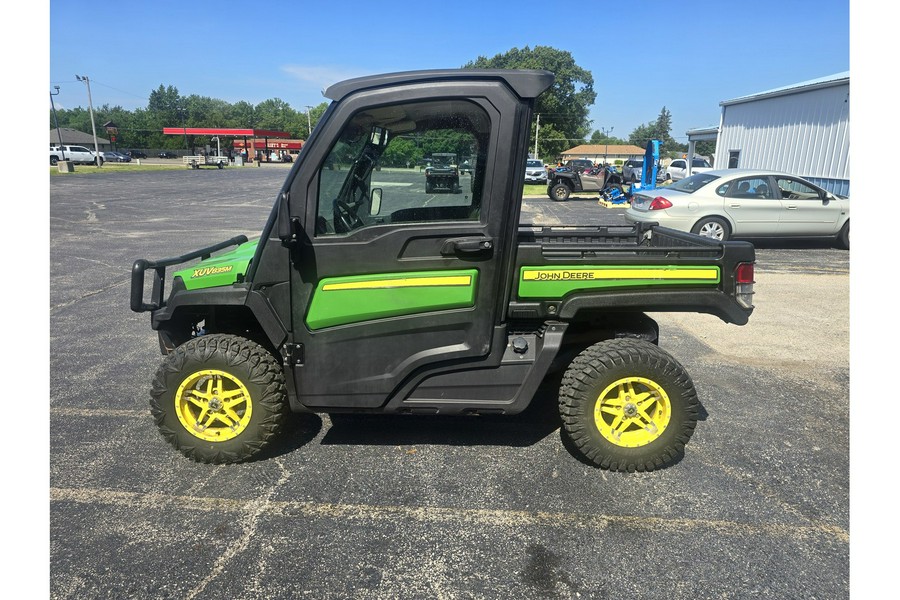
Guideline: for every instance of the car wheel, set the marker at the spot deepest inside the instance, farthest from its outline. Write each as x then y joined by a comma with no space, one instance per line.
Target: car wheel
219,398
53,160
559,192
628,405
633,178
712,227
98,161
843,238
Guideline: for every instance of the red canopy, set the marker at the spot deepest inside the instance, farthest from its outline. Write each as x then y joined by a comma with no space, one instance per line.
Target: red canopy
225,131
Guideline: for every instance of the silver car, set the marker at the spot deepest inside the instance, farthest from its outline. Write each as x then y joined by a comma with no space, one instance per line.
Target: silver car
535,172
745,203
632,169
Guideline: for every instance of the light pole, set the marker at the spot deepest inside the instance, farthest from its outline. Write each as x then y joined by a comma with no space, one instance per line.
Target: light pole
183,127
537,132
308,121
62,149
87,82
606,133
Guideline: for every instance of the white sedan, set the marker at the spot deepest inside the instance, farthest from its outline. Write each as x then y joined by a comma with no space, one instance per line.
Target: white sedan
745,203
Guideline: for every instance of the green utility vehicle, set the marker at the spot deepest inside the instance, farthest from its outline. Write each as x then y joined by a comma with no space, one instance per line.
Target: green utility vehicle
367,294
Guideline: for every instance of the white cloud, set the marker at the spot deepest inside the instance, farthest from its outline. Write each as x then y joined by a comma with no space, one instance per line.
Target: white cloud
321,77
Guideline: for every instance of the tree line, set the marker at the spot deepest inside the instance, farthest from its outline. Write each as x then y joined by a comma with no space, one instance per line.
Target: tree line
563,113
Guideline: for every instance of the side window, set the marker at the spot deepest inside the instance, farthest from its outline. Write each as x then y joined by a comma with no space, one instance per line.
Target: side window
678,164
400,164
751,187
796,190
734,159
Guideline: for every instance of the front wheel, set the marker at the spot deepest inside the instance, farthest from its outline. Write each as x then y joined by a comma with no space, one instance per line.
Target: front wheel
219,398
712,227
560,192
628,405
53,161
843,238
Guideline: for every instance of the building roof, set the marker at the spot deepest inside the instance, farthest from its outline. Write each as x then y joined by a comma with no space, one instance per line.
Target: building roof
803,86
595,149
73,137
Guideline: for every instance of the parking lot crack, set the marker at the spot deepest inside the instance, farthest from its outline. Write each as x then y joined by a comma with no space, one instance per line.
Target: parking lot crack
255,509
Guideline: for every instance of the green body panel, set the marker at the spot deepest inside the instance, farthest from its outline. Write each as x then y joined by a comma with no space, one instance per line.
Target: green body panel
345,300
554,282
224,269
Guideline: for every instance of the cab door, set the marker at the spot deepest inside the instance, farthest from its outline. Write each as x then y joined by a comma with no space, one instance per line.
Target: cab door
393,280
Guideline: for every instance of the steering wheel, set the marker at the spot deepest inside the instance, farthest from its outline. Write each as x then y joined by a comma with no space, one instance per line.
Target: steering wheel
345,216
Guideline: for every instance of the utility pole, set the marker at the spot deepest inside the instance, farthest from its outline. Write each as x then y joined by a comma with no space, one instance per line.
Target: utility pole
62,148
308,121
537,132
87,82
606,133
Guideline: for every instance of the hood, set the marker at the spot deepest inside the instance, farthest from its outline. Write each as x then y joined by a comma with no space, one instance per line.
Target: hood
224,269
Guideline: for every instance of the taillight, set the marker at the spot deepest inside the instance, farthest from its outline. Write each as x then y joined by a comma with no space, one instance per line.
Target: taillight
743,284
659,203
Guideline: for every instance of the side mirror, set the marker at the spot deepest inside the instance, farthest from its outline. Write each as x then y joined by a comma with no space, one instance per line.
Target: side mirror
288,227
375,204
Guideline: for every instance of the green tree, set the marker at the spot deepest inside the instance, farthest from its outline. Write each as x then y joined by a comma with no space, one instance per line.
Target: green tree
660,129
563,109
598,137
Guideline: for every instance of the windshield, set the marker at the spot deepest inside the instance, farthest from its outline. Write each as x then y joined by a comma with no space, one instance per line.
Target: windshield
534,163
693,183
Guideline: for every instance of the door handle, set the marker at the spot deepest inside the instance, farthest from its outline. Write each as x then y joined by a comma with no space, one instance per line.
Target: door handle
791,207
474,245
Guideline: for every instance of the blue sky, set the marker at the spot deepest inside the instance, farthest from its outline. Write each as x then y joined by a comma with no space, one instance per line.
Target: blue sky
686,56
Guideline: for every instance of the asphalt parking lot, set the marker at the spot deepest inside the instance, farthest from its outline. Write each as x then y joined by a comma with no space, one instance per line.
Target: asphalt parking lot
368,507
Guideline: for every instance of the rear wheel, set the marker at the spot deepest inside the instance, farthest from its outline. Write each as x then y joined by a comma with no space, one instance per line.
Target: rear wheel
628,405
219,398
53,160
560,192
712,227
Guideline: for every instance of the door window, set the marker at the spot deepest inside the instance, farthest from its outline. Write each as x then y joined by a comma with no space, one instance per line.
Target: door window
400,164
749,187
794,189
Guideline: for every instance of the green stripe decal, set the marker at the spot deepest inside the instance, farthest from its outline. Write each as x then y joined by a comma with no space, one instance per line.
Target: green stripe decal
556,282
345,300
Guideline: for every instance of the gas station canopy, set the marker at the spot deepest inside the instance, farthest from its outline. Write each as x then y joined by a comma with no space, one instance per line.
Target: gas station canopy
225,131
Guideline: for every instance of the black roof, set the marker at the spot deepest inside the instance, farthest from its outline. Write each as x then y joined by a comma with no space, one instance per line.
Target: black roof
527,83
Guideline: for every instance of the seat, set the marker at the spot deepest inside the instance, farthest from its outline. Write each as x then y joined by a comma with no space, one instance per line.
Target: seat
762,190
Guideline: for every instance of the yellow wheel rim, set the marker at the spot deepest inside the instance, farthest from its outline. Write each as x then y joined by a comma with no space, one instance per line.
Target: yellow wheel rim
213,405
632,412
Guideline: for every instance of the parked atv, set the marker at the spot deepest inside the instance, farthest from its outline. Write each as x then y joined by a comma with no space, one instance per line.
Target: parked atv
563,181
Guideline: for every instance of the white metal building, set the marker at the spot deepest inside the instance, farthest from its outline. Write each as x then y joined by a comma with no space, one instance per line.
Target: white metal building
803,129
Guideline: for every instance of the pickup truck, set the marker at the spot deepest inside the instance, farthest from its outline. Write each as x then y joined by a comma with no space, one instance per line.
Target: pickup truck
366,294
74,154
